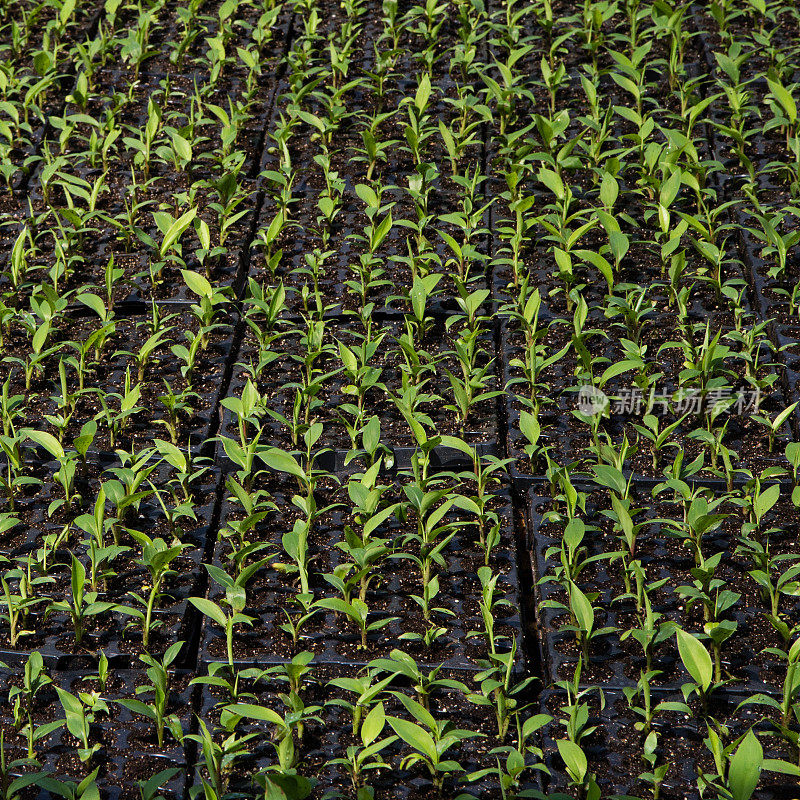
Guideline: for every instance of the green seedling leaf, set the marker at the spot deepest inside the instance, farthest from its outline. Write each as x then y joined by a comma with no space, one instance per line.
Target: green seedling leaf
745,767
197,283
609,190
175,230
695,658
552,180
574,758
281,461
582,608
784,97
373,724
46,440
210,609
766,500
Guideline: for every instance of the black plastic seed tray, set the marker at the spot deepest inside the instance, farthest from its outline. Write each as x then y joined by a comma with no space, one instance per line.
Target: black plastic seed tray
300,238
615,748
783,329
32,501
334,731
277,385
618,663
568,439
63,84
765,150
210,380
129,750
397,460
121,646
333,638
121,643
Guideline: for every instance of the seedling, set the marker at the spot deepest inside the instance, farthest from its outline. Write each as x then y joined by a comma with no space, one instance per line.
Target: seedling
80,605
235,601
156,710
